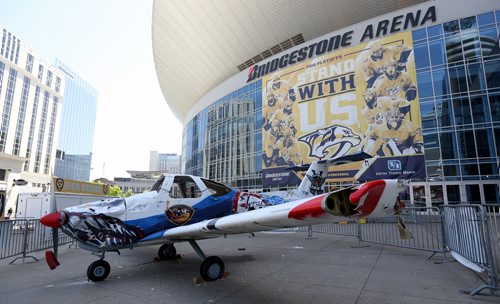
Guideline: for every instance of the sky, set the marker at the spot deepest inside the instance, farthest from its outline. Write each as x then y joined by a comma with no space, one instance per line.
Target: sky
107,43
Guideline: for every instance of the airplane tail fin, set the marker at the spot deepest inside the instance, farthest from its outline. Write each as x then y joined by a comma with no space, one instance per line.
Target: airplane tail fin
313,182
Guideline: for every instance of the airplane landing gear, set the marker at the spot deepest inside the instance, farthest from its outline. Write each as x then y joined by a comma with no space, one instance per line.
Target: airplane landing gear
212,267
167,252
98,271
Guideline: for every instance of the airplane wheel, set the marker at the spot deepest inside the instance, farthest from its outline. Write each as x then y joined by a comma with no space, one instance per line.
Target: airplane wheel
98,271
167,252
212,268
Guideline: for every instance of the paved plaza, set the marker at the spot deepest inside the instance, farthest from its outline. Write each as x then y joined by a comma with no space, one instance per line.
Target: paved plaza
267,268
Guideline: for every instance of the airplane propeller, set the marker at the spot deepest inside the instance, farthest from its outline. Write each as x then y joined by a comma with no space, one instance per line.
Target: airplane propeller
54,219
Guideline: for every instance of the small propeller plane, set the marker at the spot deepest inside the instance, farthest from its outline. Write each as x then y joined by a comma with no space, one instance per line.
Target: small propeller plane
185,208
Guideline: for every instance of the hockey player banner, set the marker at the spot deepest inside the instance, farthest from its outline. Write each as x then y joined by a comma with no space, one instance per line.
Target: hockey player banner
362,98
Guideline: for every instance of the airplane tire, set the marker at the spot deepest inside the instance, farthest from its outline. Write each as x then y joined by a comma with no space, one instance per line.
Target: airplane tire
212,268
98,271
167,252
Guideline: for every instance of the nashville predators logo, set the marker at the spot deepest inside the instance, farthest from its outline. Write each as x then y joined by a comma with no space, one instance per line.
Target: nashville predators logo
331,142
179,214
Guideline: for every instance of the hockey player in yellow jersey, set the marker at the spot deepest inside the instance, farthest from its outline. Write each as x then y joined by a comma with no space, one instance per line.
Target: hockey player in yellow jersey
283,119
395,84
279,93
288,151
394,137
380,57
376,107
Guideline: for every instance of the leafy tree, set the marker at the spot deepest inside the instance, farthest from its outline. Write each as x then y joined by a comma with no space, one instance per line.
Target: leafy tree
128,193
114,190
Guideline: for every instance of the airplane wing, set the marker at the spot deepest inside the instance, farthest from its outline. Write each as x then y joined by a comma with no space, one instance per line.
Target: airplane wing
375,198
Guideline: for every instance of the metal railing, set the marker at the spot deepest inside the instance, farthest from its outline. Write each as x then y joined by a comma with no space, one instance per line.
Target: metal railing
24,236
468,238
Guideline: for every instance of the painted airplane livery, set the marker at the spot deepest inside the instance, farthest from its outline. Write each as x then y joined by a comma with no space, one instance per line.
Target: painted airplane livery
185,208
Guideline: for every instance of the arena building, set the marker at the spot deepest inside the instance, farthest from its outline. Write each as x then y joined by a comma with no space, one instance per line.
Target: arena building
264,85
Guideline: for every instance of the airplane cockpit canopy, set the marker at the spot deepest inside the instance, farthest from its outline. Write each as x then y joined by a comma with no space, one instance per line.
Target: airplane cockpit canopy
215,188
157,185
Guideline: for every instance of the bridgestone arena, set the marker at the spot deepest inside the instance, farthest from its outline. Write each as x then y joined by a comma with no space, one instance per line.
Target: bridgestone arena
264,87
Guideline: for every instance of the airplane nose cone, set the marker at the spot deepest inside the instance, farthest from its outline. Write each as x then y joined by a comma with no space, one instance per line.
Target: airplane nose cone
53,220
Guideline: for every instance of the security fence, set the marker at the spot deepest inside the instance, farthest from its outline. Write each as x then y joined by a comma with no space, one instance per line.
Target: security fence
471,233
24,236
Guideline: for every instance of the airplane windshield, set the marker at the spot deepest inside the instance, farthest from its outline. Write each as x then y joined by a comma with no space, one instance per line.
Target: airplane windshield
157,185
215,188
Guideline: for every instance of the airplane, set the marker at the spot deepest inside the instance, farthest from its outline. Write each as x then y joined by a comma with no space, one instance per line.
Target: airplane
186,208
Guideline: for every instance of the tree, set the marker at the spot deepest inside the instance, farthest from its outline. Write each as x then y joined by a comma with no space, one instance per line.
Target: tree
114,190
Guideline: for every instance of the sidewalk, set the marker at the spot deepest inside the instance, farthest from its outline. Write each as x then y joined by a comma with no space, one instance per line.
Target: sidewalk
268,268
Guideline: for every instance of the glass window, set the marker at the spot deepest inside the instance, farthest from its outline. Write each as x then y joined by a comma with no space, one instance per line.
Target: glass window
468,23
492,69
448,147
491,193
440,79
486,169
458,81
489,42
466,144
451,27
486,146
424,82
428,113
421,55
470,169
435,30
462,111
431,147
451,170
495,107
497,140
473,194
454,51
453,192
480,109
475,77
437,52
419,34
485,19
470,43
444,113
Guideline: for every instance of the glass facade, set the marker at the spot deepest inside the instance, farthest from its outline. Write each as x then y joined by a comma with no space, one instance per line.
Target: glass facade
76,131
458,78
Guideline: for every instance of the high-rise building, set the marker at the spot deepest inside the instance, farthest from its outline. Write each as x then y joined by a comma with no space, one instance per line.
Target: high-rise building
414,83
31,93
169,162
76,135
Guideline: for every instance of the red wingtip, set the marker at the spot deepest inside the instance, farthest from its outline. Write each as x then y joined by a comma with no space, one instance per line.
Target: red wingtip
51,259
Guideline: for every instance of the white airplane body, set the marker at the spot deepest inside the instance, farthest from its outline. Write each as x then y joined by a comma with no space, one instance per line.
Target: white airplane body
188,208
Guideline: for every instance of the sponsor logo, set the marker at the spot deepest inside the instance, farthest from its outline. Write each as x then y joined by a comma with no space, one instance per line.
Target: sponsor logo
394,165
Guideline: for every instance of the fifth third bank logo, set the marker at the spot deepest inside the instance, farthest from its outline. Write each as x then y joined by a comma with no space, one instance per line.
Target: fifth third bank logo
394,165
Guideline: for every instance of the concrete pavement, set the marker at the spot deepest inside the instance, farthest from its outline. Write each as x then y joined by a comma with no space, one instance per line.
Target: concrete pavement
268,268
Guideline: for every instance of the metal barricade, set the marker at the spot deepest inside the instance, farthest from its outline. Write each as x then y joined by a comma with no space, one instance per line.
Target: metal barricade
493,218
24,236
423,223
468,238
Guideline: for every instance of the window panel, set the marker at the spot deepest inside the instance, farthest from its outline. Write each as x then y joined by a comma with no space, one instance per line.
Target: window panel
466,144
440,80
424,83
495,106
486,146
480,109
444,113
492,70
437,52
462,111
475,77
448,147
428,114
458,81
421,56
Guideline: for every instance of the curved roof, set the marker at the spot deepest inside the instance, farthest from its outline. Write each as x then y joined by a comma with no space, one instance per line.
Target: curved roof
197,44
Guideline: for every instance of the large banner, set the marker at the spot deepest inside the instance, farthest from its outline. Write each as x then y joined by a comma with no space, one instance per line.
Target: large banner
362,98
